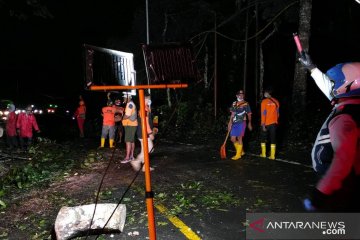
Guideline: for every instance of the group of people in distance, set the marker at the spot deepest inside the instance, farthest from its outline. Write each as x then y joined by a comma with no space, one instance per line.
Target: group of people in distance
19,127
336,151
121,118
241,117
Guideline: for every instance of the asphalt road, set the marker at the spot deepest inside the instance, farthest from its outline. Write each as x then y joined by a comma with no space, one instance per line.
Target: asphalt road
198,195
258,185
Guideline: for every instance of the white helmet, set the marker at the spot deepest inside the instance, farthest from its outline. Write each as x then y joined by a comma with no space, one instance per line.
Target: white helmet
127,95
11,107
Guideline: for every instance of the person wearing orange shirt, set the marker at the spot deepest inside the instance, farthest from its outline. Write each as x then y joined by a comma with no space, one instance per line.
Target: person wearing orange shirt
108,129
269,122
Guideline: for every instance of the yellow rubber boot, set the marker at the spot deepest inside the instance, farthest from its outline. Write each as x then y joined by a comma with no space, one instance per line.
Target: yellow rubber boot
238,148
236,151
263,150
102,142
272,151
111,143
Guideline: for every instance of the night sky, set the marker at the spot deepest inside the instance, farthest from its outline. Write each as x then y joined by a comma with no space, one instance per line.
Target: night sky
42,58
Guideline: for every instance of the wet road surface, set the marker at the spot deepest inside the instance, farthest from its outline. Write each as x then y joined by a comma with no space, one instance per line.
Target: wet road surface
198,195
258,185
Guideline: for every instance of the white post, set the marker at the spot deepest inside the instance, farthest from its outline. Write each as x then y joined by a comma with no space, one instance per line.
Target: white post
147,22
147,31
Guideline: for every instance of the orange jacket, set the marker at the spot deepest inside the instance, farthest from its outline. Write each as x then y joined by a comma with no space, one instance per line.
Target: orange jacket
80,112
269,111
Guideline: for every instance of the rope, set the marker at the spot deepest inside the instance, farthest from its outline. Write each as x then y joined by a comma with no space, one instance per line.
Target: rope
122,197
98,192
129,186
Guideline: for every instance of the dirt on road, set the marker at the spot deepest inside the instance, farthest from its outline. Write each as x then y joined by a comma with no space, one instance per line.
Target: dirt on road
207,196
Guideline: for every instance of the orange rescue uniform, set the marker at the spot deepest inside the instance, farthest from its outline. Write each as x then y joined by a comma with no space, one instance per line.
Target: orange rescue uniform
109,115
269,111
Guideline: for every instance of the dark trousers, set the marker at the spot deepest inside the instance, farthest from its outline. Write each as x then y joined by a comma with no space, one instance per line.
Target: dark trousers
12,141
25,142
270,134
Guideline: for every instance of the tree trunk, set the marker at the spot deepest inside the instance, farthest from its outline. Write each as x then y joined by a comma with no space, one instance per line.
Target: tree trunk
166,21
245,49
257,93
168,94
261,60
261,66
215,71
206,70
300,77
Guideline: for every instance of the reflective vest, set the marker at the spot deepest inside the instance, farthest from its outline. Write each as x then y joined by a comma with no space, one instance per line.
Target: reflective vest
240,110
131,113
322,152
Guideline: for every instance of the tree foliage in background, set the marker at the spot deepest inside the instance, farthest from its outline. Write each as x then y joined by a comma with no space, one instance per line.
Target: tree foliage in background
169,21
189,121
25,9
